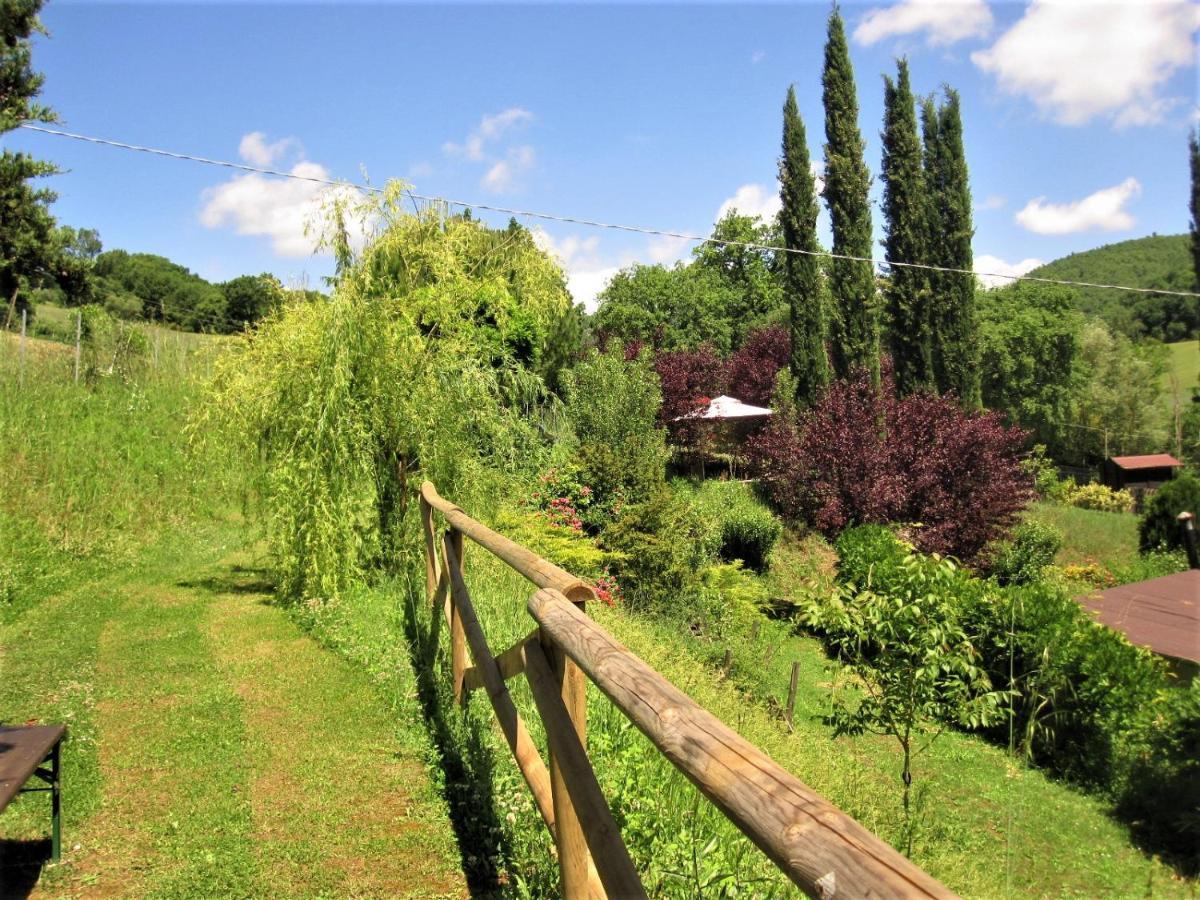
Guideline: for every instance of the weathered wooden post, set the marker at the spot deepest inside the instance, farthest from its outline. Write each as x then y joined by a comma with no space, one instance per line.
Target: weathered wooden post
1188,526
458,637
568,836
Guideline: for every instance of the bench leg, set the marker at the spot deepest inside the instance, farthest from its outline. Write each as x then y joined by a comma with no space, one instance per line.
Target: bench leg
55,806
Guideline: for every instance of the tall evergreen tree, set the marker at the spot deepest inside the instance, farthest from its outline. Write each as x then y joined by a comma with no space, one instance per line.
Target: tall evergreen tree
907,294
29,253
801,271
1194,158
949,232
854,323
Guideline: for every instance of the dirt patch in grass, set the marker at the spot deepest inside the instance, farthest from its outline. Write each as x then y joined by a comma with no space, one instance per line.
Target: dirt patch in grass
336,802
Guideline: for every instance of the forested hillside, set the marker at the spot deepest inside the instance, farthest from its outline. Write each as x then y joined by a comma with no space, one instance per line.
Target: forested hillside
1158,261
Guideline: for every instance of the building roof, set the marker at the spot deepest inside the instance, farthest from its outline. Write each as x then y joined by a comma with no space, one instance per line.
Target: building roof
1162,614
1149,461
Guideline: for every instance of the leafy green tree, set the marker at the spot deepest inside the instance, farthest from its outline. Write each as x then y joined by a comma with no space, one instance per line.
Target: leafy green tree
1159,525
749,275
801,269
249,297
907,293
949,233
672,309
1118,409
613,404
343,406
854,323
910,655
1030,359
168,292
1194,205
29,254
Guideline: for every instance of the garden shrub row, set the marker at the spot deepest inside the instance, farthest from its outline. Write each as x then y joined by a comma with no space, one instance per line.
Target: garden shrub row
1085,703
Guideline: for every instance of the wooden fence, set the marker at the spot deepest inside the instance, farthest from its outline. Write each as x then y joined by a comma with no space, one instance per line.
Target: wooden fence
820,848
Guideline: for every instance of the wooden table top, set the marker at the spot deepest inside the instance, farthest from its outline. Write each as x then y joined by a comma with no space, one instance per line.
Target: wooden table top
22,750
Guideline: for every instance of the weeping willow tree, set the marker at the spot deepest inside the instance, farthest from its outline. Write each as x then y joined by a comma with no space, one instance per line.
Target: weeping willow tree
422,364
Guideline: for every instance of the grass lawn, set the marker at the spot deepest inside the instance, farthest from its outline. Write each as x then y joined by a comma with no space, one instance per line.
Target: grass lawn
214,749
1089,536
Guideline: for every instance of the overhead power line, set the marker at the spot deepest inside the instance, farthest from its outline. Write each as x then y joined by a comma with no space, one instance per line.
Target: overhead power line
592,223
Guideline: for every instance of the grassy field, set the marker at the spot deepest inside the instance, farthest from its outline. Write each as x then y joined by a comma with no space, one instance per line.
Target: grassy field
224,747
214,750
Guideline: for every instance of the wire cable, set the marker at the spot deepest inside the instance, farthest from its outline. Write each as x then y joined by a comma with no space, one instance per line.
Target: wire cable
592,223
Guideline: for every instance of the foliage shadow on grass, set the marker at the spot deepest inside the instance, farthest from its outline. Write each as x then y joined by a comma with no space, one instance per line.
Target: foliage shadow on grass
467,763
21,866
236,580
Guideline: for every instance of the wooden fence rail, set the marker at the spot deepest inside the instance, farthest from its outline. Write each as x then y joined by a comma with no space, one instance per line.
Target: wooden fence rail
821,849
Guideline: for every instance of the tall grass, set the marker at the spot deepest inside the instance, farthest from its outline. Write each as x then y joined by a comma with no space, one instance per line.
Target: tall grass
93,472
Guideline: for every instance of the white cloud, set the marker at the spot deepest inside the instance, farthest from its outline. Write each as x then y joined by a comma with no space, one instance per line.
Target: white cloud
1078,60
992,201
943,21
988,268
276,208
757,56
667,250
1103,210
579,257
255,150
490,129
752,200
503,177
421,169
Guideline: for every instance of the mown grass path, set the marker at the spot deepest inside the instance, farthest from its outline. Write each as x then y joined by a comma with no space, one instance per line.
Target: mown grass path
215,751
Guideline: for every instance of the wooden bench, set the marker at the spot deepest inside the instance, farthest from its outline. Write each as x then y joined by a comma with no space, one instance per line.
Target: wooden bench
24,750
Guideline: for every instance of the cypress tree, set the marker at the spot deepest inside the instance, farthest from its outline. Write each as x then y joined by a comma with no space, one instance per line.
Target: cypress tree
801,271
854,324
907,295
1194,157
948,233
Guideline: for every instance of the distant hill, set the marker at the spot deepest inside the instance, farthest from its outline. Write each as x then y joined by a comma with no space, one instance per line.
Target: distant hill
1158,261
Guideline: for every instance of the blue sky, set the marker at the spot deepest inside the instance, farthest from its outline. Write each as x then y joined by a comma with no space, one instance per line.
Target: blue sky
1075,116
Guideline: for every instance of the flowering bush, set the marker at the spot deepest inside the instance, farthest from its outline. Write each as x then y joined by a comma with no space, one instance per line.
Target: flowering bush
608,591
562,497
1098,496
863,455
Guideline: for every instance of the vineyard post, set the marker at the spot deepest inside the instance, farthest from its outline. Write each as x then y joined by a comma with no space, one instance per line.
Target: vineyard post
21,351
78,337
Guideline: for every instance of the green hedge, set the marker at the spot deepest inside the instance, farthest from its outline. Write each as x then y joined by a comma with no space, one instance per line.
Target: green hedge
748,530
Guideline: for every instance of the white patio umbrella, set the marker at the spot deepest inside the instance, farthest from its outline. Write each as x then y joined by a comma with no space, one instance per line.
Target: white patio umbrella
725,407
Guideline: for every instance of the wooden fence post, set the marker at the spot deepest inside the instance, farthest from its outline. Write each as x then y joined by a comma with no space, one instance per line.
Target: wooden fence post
573,856
431,554
458,637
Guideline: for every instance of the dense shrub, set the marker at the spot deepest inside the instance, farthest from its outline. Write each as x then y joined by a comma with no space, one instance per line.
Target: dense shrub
751,372
657,549
1085,700
1162,794
863,455
748,529
1032,547
1159,526
1095,495
613,403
